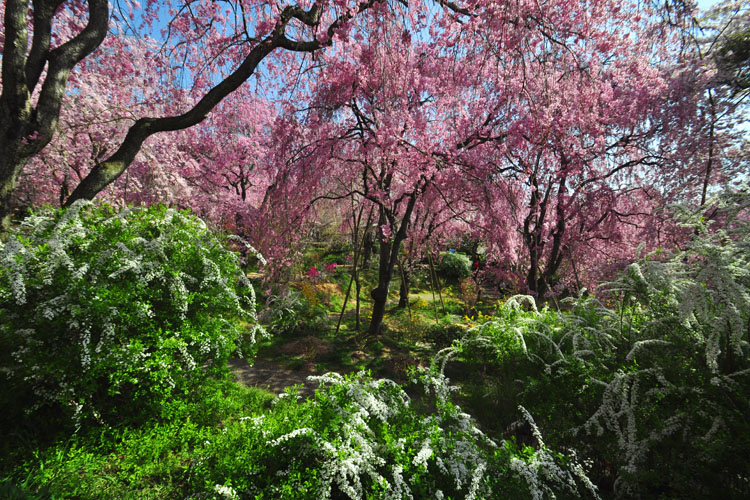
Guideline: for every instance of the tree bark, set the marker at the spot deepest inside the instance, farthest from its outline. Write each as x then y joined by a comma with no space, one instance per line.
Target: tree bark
367,248
388,257
10,169
710,161
403,297
24,129
385,273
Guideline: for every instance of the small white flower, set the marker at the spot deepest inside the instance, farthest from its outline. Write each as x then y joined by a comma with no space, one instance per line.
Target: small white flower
226,492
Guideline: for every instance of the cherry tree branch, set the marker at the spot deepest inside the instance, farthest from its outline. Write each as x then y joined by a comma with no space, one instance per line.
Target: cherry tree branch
108,171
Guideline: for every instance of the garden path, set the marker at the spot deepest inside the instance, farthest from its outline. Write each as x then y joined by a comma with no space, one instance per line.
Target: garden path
270,376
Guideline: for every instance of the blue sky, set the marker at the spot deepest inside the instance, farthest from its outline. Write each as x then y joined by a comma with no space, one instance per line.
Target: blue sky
704,4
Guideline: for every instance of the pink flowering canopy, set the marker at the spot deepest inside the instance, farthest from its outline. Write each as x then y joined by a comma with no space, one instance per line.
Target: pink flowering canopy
550,130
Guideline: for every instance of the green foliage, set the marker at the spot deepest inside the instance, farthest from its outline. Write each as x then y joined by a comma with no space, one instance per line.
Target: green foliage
107,315
454,266
154,461
650,388
652,391
290,312
336,252
733,59
357,438
443,334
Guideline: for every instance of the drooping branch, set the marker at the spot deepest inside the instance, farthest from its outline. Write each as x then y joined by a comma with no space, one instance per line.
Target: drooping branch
109,170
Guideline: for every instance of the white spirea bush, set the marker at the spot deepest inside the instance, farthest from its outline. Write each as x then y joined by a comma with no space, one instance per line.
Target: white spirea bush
110,314
361,438
661,371
380,443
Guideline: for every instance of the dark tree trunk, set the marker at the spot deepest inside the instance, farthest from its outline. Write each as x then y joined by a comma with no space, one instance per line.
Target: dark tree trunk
533,236
403,298
710,161
26,128
389,250
380,294
358,286
367,246
9,172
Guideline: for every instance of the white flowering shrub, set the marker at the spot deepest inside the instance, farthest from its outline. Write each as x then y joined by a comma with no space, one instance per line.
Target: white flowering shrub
651,387
358,438
110,315
361,438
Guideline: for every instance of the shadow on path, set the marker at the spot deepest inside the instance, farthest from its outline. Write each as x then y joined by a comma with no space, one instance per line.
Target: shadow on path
270,376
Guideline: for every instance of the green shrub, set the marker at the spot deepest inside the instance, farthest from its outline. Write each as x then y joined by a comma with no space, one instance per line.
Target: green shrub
290,312
107,315
444,333
652,390
358,438
361,438
453,266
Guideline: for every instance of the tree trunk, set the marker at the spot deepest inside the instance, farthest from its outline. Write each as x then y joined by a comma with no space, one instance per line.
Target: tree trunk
533,235
367,248
358,286
380,294
710,161
27,127
389,250
557,252
403,298
10,169
385,275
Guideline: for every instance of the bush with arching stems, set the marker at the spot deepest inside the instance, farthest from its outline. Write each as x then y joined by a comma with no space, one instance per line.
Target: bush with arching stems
361,438
653,389
356,438
109,315
288,311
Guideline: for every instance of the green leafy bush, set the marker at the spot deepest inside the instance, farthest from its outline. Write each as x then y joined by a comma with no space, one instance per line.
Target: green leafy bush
358,438
444,333
454,266
361,438
290,312
110,315
652,390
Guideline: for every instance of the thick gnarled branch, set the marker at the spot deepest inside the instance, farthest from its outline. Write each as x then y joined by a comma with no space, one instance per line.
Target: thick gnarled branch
110,169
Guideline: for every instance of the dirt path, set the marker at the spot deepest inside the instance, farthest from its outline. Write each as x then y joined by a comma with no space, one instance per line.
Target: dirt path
270,376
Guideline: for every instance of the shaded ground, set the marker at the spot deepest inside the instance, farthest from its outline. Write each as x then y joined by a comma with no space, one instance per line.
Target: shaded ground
285,360
270,376
284,363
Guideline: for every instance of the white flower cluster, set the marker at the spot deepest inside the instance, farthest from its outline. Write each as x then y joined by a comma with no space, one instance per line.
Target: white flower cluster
354,454
65,270
542,473
12,254
226,492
